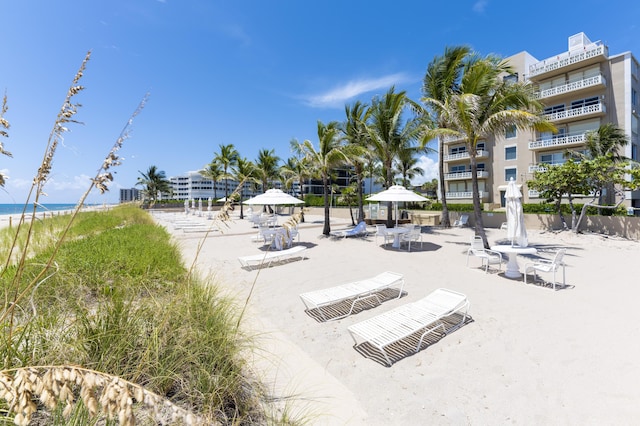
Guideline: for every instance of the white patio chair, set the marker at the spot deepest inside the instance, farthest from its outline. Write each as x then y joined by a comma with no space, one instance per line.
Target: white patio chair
547,265
414,235
489,257
381,231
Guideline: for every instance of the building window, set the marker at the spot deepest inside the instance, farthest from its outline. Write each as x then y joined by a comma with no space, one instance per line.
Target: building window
511,78
554,109
581,103
510,153
480,166
457,169
510,174
634,152
511,132
458,149
553,159
634,97
480,146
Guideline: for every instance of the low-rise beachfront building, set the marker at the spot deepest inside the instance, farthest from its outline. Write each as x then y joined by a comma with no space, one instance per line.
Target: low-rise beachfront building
581,89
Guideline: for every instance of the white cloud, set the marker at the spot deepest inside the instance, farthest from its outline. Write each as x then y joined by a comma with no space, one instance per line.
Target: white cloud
430,168
338,96
480,6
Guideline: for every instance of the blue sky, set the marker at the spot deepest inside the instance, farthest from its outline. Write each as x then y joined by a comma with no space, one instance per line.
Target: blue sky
252,73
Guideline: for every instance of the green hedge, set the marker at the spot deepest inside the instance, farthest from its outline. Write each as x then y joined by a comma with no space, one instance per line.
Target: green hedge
550,208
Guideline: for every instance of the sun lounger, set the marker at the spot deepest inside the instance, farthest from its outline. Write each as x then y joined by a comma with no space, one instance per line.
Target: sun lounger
355,291
424,316
360,230
266,258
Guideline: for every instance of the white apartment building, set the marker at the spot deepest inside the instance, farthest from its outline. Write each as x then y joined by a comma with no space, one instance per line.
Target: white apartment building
193,186
581,89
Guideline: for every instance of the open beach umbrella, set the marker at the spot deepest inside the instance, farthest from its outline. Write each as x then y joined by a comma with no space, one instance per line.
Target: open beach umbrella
273,197
516,231
395,194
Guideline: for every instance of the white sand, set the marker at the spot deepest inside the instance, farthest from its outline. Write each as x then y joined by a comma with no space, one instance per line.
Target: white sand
529,355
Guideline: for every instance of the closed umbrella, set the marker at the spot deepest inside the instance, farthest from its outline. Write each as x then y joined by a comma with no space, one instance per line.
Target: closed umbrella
395,194
516,231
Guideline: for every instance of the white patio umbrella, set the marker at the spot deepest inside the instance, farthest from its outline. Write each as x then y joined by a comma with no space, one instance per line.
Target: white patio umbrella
273,197
209,202
395,194
516,231
200,207
186,206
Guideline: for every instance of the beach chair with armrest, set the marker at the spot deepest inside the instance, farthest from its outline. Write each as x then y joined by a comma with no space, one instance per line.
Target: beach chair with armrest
547,265
414,235
423,316
381,231
489,257
354,292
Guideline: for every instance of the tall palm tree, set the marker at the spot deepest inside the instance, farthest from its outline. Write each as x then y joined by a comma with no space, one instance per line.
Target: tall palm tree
296,169
330,154
213,171
243,171
356,134
389,133
227,157
487,106
440,82
406,165
154,183
267,167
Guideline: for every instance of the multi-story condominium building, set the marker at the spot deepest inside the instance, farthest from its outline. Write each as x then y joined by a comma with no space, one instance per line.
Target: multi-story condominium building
581,89
128,195
194,186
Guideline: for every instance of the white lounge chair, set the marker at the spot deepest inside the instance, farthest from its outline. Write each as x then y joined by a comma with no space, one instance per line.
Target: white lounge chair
463,221
268,257
423,316
355,291
489,257
360,230
547,265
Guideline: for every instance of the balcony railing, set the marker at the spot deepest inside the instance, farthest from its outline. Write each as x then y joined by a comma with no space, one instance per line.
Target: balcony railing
566,59
576,112
533,193
465,155
571,87
482,174
536,168
460,195
567,140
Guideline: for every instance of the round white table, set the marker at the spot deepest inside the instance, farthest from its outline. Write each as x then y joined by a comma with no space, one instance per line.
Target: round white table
512,252
396,235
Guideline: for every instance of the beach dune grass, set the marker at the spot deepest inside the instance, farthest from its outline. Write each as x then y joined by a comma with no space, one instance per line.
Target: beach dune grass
119,301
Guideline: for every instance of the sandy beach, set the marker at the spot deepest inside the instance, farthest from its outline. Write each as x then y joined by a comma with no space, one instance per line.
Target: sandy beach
526,355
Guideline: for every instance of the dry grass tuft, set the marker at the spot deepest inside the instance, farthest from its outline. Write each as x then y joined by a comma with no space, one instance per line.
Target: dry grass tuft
103,396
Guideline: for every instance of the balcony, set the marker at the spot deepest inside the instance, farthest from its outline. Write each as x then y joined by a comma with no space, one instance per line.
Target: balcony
555,142
537,168
482,174
568,61
484,195
465,155
575,113
533,193
594,81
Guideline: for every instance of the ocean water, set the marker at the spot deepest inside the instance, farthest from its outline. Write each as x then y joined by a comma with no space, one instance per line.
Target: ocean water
17,208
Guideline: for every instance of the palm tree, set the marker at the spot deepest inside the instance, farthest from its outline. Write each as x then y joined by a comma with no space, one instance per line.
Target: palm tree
267,167
440,82
407,165
213,171
389,133
296,169
155,182
607,140
243,171
487,106
330,154
227,157
356,134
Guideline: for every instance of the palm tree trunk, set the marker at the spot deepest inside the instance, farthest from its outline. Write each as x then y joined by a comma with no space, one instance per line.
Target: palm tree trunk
445,221
477,209
326,230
